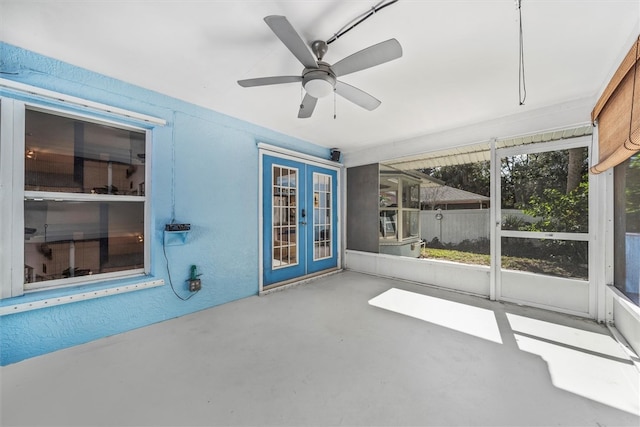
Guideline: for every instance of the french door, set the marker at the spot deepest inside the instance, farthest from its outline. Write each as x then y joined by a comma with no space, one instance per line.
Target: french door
299,219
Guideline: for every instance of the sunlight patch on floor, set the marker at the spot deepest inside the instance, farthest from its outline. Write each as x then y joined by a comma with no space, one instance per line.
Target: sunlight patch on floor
464,318
586,340
585,363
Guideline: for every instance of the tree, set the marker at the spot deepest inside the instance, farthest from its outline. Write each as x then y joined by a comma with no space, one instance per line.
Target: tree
473,177
527,175
574,173
560,212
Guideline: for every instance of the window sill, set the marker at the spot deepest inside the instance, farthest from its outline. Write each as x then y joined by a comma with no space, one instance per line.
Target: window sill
43,299
625,302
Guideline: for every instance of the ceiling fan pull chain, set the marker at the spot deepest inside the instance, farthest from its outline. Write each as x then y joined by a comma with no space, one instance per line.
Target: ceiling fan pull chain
334,104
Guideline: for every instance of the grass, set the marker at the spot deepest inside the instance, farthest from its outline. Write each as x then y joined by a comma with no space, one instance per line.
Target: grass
457,256
510,263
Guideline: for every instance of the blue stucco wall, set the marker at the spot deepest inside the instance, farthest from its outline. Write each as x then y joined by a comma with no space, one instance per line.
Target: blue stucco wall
204,172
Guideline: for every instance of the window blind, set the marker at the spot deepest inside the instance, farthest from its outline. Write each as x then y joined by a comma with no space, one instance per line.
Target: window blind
617,114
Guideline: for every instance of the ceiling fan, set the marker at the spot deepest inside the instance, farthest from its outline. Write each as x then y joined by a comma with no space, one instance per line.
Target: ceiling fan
320,78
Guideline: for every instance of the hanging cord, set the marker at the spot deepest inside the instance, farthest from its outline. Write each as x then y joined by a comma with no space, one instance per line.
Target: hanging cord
335,114
359,19
522,85
164,251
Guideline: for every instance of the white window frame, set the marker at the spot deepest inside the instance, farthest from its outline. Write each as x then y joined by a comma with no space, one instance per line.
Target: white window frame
13,194
295,224
328,191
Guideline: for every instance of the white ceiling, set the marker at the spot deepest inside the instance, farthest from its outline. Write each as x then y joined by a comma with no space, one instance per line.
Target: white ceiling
459,67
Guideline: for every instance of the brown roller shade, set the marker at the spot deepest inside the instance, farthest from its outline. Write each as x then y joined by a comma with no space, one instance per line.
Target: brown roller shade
618,114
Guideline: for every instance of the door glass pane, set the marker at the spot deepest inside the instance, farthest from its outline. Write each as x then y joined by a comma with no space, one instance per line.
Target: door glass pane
69,239
68,155
284,222
322,227
559,258
546,192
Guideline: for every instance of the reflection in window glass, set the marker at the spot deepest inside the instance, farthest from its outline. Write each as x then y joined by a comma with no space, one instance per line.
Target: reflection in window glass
68,239
74,232
559,258
284,222
69,155
388,224
627,227
322,227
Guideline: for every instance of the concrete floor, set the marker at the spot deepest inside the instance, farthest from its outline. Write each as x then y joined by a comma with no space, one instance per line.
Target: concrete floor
320,354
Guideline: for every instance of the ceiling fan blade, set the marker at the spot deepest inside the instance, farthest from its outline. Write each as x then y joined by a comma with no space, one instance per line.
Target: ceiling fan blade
369,57
307,106
264,81
357,96
291,39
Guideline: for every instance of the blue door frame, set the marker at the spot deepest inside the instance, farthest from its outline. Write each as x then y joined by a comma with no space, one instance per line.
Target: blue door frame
300,231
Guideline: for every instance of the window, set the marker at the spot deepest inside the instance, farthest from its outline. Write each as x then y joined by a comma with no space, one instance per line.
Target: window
322,227
399,198
79,189
627,227
285,223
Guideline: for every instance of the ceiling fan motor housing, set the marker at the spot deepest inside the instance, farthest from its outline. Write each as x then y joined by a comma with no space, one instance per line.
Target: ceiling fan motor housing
319,82
319,49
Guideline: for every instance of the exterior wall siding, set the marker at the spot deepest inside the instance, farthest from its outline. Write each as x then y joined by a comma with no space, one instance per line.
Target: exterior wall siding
457,225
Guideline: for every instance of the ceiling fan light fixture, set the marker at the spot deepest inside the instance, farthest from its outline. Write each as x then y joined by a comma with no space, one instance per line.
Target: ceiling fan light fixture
318,88
318,83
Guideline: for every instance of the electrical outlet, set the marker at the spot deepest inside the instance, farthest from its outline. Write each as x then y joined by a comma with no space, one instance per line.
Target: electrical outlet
195,285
